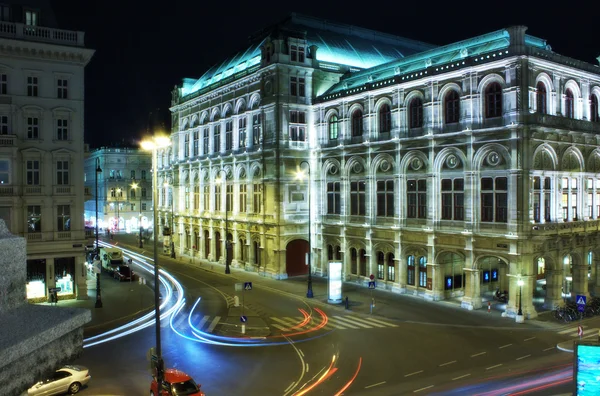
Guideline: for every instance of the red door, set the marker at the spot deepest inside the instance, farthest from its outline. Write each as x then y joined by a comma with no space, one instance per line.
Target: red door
295,258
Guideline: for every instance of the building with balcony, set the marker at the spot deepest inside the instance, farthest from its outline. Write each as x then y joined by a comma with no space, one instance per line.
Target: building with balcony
41,145
124,190
444,172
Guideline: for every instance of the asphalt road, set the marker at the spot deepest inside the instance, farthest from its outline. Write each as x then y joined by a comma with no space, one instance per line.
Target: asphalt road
408,346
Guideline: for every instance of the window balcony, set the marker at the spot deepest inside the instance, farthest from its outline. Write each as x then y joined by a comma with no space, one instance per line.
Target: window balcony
21,31
62,190
33,190
8,140
7,191
63,235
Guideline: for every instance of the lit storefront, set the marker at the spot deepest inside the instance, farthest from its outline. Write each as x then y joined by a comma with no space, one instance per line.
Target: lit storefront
64,275
36,279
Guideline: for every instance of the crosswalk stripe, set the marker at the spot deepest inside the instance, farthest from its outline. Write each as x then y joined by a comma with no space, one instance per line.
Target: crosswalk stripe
365,321
585,331
383,323
344,320
336,320
203,321
333,326
213,324
279,327
569,330
289,322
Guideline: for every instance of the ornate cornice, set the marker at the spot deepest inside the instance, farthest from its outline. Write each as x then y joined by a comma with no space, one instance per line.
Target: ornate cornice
52,52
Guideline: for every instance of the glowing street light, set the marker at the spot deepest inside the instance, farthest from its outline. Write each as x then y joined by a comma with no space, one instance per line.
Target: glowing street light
153,145
300,176
172,244
227,242
134,186
97,250
520,283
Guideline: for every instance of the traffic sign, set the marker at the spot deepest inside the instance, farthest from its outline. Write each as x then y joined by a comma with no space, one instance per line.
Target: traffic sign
581,301
243,318
372,285
54,289
371,276
247,285
239,286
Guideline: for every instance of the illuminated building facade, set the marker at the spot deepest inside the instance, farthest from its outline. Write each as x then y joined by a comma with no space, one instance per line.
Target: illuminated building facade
124,189
446,172
41,145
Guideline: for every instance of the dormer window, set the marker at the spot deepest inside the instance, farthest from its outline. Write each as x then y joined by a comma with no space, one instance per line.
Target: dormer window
297,53
31,18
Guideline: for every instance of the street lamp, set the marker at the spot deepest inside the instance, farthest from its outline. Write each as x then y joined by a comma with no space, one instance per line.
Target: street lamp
520,283
153,145
227,242
118,192
135,186
172,244
97,251
300,175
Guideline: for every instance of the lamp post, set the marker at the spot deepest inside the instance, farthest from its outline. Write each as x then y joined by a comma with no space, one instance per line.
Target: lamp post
227,242
135,186
118,192
520,283
153,145
97,250
300,175
172,244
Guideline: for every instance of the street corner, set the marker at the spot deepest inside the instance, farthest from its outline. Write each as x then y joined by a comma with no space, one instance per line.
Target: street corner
566,346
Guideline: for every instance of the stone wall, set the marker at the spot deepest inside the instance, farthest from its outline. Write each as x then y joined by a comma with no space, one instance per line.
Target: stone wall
34,340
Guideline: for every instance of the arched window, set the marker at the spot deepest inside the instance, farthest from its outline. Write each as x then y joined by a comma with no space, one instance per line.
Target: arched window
416,113
380,265
332,127
385,118
338,253
452,107
410,270
540,98
357,123
217,246
422,272
493,100
243,253
363,262
594,116
391,268
206,245
256,245
569,104
353,261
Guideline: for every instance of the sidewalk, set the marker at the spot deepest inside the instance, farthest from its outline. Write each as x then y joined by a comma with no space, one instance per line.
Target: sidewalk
121,303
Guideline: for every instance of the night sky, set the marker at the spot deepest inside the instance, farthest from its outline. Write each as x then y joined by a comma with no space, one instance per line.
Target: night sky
143,49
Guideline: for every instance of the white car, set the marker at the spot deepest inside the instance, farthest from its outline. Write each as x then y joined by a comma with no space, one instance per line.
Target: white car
68,379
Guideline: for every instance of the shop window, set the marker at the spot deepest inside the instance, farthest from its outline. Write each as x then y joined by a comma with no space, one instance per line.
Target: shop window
410,270
486,277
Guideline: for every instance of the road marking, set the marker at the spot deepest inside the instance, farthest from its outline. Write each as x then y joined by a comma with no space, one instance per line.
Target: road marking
307,367
350,322
479,354
493,367
382,322
523,357
569,330
547,349
377,384
447,363
504,346
422,389
333,321
462,376
576,333
290,387
529,339
213,324
365,321
279,327
203,321
415,373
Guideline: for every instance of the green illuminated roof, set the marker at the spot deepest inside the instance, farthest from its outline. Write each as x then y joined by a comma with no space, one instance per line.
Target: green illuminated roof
417,63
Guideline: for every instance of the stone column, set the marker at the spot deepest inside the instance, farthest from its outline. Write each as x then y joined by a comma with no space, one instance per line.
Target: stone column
472,297
81,278
595,265
554,282
401,274
50,280
235,249
580,281
437,275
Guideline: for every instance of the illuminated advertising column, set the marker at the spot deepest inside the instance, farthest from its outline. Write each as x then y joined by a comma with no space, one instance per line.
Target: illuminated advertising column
335,282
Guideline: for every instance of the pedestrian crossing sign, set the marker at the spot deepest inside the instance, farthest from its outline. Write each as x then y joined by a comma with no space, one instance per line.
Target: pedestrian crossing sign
581,300
247,285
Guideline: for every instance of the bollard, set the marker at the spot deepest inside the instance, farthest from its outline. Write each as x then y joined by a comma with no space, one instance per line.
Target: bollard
489,307
236,301
243,329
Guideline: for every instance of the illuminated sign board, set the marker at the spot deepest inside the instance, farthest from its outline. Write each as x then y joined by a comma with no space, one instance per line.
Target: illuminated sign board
335,282
587,368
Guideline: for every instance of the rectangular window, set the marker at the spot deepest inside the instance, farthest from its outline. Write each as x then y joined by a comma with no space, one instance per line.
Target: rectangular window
205,141
205,194
416,199
385,198
186,145
34,218
33,128
357,198
297,53
256,129
61,86
186,199
196,143
3,125
144,206
333,198
132,174
33,173
242,132
228,135
3,84
62,173
31,18
62,129
229,198
217,197
297,126
144,192
410,271
196,197
144,175
32,86
4,172
257,197
453,207
243,198
494,199
217,138
63,220
294,86
297,87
